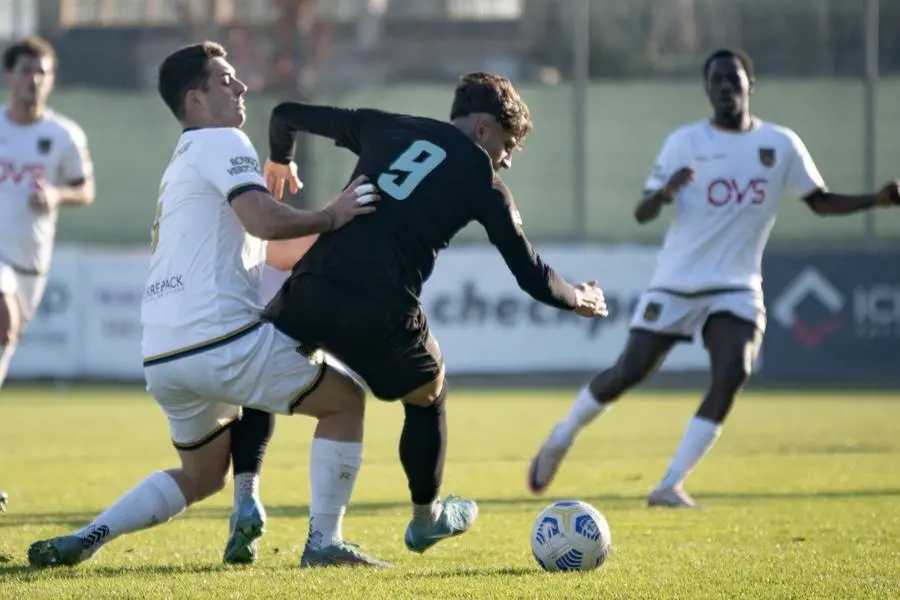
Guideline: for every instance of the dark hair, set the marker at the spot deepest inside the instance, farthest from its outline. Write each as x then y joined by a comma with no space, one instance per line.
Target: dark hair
184,70
492,94
32,47
742,56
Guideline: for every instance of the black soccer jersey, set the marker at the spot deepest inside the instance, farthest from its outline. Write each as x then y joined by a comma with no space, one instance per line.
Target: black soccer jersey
433,180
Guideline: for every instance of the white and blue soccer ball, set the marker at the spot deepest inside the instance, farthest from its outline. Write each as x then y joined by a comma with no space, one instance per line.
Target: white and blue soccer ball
570,535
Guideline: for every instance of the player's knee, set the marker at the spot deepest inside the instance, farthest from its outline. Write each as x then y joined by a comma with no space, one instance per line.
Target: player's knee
631,369
208,482
732,373
8,329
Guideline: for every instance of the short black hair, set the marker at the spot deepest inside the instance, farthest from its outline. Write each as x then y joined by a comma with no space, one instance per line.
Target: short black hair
742,56
492,94
184,70
32,47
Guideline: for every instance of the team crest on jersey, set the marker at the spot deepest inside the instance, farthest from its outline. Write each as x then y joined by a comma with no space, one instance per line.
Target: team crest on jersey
44,145
651,311
767,156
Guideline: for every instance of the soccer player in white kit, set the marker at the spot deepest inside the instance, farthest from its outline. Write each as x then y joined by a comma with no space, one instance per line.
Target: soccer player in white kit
206,352
44,164
725,178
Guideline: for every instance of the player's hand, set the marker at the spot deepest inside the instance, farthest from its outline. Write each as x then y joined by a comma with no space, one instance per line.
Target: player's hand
352,202
590,301
678,181
888,195
276,174
44,198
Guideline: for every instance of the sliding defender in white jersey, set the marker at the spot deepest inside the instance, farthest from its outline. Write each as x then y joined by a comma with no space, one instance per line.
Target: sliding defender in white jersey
725,178
206,352
44,164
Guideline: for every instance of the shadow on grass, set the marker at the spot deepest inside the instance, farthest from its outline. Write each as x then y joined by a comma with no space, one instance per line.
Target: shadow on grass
71,520
473,572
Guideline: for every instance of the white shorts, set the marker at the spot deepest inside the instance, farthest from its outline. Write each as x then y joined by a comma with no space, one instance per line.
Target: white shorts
25,289
202,392
683,315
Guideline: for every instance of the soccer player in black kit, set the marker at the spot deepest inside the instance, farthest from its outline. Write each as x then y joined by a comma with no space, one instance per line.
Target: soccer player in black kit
356,293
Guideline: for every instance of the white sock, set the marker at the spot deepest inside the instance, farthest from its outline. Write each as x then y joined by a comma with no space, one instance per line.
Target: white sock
6,353
584,410
154,500
699,437
246,485
333,467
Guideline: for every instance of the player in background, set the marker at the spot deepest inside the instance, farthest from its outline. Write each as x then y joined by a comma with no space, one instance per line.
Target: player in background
44,164
435,177
725,177
206,351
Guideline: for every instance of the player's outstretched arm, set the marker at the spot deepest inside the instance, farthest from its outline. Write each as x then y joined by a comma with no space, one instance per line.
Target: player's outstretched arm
825,203
503,224
268,219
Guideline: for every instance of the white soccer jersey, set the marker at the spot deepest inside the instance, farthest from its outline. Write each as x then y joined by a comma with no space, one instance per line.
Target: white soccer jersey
205,269
55,150
723,218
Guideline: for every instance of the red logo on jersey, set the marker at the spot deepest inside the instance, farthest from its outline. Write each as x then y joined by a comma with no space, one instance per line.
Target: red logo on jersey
18,173
723,191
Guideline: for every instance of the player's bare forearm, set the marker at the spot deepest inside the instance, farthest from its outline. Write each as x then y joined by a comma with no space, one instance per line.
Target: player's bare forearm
268,219
284,254
829,203
651,205
80,194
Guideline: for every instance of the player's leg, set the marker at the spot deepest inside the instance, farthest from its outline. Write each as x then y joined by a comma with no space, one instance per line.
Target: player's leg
249,440
10,318
660,320
643,354
732,343
423,447
10,327
200,433
7,347
287,382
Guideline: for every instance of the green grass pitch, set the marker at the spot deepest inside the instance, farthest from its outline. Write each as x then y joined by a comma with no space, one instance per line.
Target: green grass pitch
801,498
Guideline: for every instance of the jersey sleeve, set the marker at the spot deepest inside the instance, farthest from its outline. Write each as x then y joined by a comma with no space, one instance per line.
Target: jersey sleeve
503,224
667,162
803,176
75,165
344,125
229,161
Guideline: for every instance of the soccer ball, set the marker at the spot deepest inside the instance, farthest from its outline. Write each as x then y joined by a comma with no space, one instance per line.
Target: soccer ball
570,535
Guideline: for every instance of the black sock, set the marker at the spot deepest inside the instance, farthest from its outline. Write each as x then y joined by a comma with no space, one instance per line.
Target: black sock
249,439
423,445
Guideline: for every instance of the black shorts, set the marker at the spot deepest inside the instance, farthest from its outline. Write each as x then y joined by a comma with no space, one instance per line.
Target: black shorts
388,344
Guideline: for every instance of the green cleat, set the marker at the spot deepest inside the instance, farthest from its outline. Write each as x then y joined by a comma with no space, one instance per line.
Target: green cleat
67,550
456,518
248,523
340,554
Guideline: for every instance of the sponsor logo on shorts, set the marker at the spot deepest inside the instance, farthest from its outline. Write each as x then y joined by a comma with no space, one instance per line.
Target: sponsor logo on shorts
243,164
652,311
162,288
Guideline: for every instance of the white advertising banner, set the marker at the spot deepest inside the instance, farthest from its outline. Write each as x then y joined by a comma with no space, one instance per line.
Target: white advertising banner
52,344
486,324
89,322
112,319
